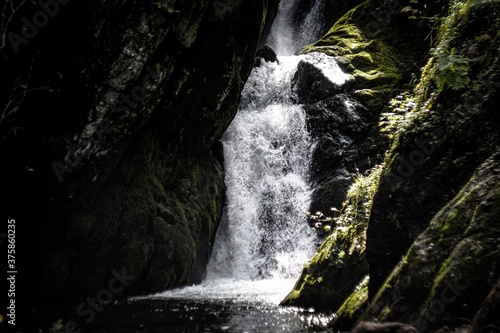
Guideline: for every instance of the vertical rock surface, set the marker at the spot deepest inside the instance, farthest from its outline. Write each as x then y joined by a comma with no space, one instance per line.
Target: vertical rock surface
431,255
112,111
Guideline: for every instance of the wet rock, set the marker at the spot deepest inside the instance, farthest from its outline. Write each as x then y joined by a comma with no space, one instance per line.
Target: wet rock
373,327
330,194
336,125
454,261
318,77
338,113
486,319
331,274
266,53
431,232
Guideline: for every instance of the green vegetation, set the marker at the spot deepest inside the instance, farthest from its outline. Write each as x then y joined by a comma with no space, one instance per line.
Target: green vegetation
374,64
453,245
452,71
356,209
353,306
400,116
340,263
445,209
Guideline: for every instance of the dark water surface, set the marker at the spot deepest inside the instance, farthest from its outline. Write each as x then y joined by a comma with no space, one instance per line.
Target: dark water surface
228,306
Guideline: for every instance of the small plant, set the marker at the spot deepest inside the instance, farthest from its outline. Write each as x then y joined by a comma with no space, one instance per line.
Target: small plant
357,208
350,233
401,115
320,222
57,327
434,23
452,71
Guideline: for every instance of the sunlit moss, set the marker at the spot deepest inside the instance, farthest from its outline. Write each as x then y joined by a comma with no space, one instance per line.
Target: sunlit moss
352,307
375,66
321,284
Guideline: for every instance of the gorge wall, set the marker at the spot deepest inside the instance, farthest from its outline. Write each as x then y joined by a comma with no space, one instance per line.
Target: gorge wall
416,237
112,112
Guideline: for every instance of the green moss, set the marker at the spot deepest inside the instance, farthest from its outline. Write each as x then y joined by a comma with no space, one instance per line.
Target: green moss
340,262
375,65
463,220
361,59
352,308
353,305
458,243
457,249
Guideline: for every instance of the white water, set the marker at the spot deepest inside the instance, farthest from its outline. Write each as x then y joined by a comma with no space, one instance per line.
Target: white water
286,38
264,239
267,150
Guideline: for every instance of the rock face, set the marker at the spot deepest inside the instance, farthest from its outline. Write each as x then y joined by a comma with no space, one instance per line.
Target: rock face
266,53
313,82
336,123
451,267
431,254
349,142
112,114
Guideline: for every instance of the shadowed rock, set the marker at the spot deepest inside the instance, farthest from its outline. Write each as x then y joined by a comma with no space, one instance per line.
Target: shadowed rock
370,327
266,53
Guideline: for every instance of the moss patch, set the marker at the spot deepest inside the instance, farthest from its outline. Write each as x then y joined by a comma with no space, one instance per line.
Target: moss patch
452,265
340,263
352,308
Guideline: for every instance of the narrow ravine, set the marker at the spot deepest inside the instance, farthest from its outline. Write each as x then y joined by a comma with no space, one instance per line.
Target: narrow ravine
264,239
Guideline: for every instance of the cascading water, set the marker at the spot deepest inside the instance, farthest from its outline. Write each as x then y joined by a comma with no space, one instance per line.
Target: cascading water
264,239
267,151
287,36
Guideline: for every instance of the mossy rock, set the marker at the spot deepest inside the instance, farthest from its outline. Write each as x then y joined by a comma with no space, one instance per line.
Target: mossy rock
352,308
452,133
452,266
380,65
331,274
379,62
450,248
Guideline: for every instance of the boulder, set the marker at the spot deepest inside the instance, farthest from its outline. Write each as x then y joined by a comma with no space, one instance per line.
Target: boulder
318,77
266,53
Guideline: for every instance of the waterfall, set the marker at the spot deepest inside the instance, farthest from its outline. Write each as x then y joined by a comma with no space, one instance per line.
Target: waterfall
288,34
264,239
267,151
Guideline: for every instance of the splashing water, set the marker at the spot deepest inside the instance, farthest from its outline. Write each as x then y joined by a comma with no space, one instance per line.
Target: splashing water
267,151
264,239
